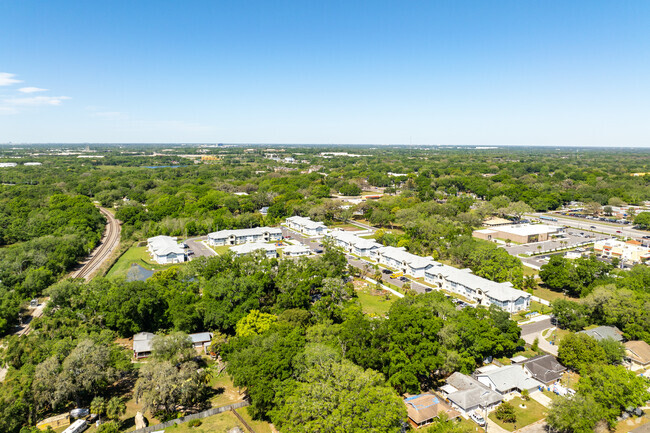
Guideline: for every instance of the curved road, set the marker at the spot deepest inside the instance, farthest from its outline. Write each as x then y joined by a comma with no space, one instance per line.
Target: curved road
107,245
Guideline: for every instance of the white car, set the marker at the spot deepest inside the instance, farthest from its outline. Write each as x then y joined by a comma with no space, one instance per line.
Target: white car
477,418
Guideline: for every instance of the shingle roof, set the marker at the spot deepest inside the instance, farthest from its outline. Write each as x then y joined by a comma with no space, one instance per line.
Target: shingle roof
470,392
638,351
201,337
164,245
255,231
509,377
253,246
427,406
544,368
603,332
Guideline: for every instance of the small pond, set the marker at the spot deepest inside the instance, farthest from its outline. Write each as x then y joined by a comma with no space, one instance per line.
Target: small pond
138,273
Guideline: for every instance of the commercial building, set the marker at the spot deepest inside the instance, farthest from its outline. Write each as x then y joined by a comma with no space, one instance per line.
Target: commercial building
467,394
478,289
165,249
520,233
306,226
242,236
630,251
270,250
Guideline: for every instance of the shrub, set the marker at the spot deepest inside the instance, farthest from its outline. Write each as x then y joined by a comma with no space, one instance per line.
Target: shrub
195,423
506,413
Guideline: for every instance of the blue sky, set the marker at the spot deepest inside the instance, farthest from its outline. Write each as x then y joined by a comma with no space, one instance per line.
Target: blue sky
381,72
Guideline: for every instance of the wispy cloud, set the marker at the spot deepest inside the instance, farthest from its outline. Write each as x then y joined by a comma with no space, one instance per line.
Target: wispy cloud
31,89
7,79
36,101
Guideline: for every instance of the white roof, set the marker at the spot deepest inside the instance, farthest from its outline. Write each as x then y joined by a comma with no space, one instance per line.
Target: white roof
499,291
251,247
306,222
294,249
259,231
353,239
401,255
511,376
164,245
528,229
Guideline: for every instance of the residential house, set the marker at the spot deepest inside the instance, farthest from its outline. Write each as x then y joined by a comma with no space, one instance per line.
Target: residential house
637,353
544,368
478,289
242,236
165,249
306,226
296,251
603,332
241,250
467,394
507,379
201,341
142,345
422,409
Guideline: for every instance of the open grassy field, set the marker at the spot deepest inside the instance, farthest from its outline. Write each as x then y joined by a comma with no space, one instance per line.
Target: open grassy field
375,305
550,295
220,423
138,255
532,413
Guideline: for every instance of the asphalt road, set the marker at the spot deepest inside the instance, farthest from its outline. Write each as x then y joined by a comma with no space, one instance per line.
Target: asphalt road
533,328
198,248
585,224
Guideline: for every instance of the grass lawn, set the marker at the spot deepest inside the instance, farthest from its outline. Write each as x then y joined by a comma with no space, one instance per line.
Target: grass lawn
226,392
258,426
570,379
375,305
221,249
528,353
540,308
557,335
220,423
532,413
137,255
530,271
469,425
550,295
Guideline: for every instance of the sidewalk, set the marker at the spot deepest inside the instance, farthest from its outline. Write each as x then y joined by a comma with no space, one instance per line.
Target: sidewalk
394,292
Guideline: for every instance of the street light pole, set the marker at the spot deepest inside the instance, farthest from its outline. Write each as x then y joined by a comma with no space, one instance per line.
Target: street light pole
483,396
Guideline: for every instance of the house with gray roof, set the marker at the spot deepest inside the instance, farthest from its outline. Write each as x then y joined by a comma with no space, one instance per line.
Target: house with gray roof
142,345
507,379
467,394
270,250
603,332
544,368
201,341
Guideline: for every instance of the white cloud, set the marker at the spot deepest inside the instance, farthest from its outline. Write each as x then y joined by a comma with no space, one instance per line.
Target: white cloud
31,89
36,101
7,79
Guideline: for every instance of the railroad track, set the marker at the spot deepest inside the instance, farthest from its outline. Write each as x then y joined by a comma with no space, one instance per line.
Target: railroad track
106,247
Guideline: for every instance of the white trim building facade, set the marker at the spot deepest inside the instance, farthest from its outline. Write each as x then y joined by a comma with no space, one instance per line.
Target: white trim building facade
165,250
306,226
242,236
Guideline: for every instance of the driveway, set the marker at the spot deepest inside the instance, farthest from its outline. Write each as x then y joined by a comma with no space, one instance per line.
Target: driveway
537,326
540,398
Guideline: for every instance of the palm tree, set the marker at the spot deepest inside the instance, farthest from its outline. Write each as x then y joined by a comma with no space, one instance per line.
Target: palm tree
98,407
115,407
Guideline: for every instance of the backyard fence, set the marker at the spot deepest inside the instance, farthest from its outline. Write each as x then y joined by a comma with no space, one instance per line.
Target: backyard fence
204,414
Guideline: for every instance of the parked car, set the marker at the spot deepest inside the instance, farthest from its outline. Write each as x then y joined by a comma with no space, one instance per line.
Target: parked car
386,271
403,279
618,231
477,418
